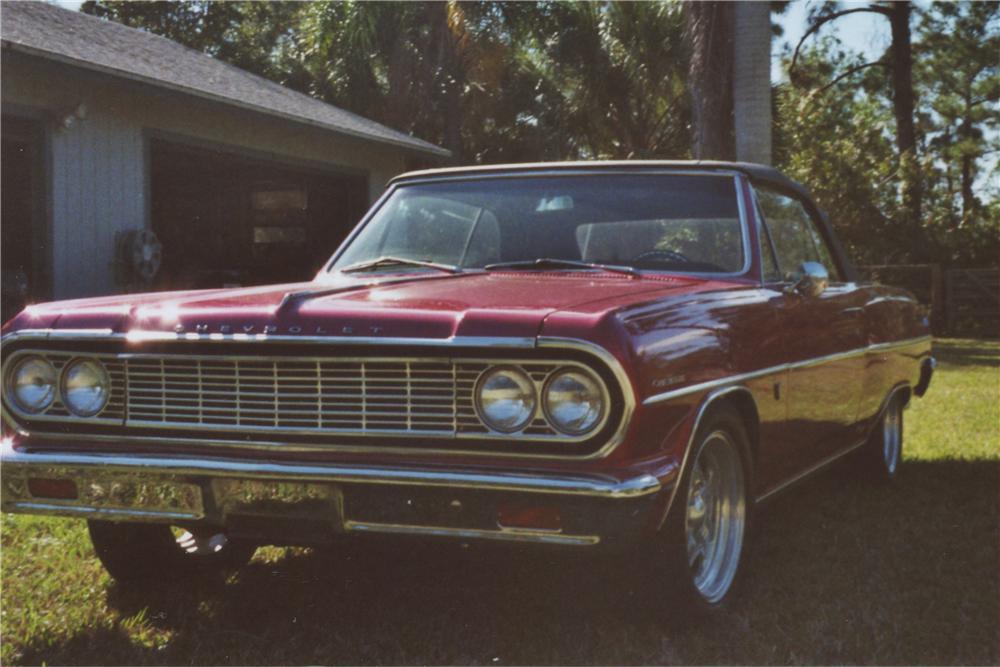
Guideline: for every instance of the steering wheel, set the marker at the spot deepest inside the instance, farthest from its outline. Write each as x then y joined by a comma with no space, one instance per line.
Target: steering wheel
660,255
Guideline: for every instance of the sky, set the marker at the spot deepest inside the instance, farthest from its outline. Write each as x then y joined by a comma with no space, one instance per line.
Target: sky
862,32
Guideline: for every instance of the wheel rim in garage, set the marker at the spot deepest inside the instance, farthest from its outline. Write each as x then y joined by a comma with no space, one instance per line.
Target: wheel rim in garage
716,516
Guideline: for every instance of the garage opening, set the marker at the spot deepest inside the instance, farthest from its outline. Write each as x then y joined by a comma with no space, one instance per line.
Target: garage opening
24,243
229,220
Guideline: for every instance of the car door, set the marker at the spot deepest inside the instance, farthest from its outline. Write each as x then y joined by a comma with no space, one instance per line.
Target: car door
824,336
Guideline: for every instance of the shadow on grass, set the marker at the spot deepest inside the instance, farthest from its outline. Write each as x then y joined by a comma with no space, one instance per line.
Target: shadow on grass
839,572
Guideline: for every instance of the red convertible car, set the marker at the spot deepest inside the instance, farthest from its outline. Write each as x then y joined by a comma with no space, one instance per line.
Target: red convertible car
624,355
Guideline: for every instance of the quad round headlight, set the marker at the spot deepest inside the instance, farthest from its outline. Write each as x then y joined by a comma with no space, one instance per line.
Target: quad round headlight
85,387
31,385
573,401
505,399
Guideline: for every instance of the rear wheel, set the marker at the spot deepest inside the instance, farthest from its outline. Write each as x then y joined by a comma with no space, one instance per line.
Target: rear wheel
142,551
702,542
883,452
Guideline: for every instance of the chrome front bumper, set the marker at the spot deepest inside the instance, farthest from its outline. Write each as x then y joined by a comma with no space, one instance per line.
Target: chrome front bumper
296,503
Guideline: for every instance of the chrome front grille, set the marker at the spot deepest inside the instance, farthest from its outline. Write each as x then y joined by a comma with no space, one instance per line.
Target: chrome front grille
243,397
325,394
432,397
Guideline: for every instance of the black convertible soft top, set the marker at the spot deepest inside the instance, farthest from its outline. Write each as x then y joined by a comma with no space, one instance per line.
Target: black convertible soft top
757,172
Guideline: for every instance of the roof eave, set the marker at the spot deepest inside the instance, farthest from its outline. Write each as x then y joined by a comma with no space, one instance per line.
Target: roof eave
158,83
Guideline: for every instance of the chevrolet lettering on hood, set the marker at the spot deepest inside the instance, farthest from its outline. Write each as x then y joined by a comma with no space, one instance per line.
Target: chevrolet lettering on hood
619,356
269,329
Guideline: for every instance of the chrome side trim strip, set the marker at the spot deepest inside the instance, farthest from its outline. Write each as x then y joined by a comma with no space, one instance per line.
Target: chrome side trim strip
882,347
780,368
713,384
597,486
506,535
809,471
835,457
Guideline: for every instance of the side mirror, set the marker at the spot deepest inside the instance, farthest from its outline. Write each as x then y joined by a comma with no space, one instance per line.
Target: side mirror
810,280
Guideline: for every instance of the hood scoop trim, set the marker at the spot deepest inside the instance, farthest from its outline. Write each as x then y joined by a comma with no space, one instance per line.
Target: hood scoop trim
292,298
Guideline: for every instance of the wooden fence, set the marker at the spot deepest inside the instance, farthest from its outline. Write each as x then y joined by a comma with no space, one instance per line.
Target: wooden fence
961,301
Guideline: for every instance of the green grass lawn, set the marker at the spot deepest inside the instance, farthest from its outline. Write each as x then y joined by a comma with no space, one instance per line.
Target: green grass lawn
840,571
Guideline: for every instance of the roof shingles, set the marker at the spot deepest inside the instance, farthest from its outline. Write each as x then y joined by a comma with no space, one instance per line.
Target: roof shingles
92,43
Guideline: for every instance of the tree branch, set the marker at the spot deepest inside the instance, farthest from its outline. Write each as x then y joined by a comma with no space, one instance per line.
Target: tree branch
820,22
849,72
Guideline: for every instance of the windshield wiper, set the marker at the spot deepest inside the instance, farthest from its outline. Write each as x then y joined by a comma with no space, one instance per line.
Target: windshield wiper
367,265
551,262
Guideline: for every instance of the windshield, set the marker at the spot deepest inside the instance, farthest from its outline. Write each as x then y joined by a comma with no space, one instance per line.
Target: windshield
671,222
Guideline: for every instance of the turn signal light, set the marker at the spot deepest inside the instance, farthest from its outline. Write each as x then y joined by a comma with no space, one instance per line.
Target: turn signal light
529,517
43,487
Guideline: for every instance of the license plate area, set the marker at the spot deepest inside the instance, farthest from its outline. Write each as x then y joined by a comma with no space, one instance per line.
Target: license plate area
279,499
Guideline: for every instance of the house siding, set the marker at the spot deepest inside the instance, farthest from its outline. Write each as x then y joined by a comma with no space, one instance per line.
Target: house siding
98,167
97,189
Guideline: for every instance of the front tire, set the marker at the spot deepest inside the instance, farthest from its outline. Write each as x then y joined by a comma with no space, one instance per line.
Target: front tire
133,552
702,542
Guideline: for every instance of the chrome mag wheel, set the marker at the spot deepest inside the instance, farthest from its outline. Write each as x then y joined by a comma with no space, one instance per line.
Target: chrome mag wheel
892,436
715,520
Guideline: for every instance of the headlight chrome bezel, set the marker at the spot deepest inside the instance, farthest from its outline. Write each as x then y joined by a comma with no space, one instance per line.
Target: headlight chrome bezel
540,403
103,375
513,371
10,385
602,397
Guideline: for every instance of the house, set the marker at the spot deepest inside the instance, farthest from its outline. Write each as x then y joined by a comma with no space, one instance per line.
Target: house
132,162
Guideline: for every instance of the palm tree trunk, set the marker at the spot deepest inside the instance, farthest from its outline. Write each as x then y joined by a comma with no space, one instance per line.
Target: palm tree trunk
903,103
752,81
709,36
449,76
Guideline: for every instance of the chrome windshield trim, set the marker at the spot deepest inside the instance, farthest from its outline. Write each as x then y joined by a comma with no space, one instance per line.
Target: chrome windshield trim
601,486
546,171
744,229
780,368
464,174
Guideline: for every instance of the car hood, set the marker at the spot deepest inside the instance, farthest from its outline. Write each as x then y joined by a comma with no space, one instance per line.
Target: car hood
495,304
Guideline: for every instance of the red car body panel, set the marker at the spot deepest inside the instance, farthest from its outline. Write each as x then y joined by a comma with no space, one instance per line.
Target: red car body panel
668,333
